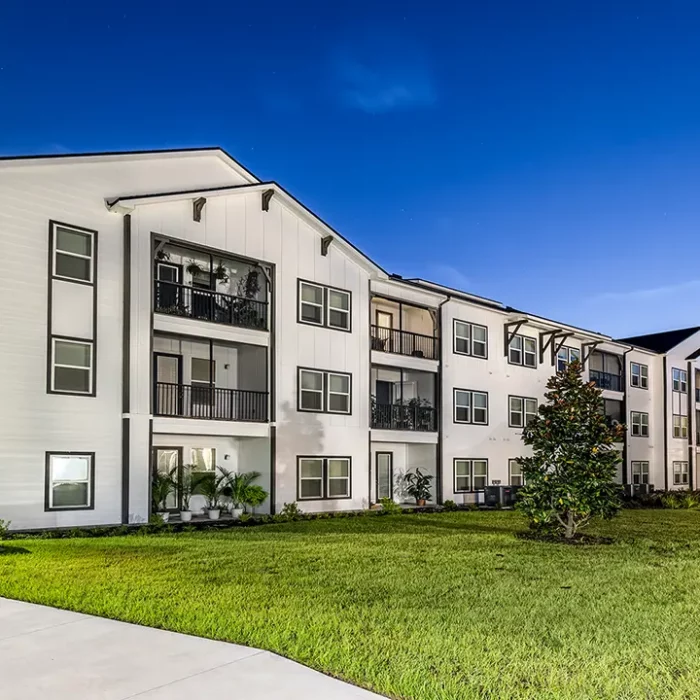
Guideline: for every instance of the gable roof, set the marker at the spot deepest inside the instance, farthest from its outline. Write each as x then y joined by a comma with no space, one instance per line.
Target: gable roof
661,342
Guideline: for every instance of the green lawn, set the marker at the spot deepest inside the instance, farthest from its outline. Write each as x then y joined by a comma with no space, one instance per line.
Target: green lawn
432,606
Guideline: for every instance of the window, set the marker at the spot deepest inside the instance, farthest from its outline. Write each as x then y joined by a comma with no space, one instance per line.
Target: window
680,473
203,459
639,375
515,473
470,474
640,472
69,481
471,339
471,407
521,411
522,351
567,355
640,424
73,253
680,380
202,380
71,366
680,426
323,391
324,306
323,478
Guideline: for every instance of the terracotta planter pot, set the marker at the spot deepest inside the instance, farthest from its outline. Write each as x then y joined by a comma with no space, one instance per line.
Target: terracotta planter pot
421,501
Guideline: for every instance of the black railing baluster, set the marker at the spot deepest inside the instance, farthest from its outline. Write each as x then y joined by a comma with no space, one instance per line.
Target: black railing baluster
401,417
192,302
404,342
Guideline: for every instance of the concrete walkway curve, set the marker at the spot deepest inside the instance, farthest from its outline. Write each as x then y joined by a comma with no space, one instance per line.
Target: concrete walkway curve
50,653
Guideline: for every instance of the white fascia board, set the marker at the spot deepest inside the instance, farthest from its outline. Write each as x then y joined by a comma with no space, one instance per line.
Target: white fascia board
547,325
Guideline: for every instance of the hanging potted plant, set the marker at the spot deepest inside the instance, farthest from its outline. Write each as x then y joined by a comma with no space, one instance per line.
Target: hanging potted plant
186,492
418,486
211,485
162,487
221,273
194,268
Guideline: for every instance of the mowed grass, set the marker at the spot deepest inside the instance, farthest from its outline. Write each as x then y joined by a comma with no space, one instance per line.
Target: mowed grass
449,605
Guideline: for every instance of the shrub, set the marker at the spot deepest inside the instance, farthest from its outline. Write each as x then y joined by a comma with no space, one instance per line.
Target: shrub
449,505
291,511
390,507
4,529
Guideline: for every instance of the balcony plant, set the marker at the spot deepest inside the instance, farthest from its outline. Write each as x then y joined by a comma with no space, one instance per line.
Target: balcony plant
162,486
418,486
239,486
212,486
194,268
221,273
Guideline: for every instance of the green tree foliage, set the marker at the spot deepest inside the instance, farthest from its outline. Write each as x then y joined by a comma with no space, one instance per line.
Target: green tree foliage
570,478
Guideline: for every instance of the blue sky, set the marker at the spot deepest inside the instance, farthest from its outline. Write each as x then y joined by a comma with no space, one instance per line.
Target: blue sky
546,154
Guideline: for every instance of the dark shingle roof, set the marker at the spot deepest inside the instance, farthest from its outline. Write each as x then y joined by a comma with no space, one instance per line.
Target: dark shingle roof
661,342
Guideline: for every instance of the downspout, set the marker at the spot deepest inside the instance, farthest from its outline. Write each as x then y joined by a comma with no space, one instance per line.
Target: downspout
625,444
438,401
665,424
691,391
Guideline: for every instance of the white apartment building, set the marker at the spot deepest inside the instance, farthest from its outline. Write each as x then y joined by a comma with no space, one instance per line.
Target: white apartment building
168,308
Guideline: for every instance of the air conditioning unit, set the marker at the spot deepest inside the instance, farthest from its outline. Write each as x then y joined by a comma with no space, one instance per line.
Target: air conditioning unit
500,496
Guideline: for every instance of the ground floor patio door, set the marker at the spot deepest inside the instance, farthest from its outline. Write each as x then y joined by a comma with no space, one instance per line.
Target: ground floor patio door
385,475
166,459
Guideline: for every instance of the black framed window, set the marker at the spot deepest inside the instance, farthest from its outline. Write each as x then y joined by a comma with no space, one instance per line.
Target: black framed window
640,472
680,380
567,355
70,482
639,375
470,339
72,253
324,391
320,305
470,474
323,478
71,366
639,423
521,410
471,407
522,350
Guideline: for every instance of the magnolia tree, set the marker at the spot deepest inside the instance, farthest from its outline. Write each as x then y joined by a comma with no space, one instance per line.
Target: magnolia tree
570,477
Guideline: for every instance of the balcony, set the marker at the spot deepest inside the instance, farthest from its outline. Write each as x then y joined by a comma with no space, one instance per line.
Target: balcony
608,381
209,305
213,403
411,416
404,343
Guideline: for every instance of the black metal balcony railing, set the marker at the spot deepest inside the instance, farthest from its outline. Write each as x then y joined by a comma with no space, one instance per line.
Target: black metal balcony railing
605,380
192,401
697,395
404,343
399,417
209,305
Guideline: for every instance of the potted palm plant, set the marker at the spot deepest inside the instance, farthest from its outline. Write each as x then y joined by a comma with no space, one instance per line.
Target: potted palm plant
211,485
162,487
418,486
186,492
255,496
239,485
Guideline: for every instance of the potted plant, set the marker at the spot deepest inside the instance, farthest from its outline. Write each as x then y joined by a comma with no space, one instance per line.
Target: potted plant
211,485
162,487
255,496
418,486
194,268
186,491
239,485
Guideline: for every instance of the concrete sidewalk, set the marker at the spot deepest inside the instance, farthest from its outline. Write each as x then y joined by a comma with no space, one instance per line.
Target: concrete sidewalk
49,653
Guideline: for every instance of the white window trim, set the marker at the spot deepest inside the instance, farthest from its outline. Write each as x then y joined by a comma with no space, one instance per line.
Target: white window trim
347,394
639,379
680,473
571,355
642,422
512,347
90,456
325,306
680,426
302,391
682,380
330,307
55,252
325,391
523,412
521,476
89,368
301,478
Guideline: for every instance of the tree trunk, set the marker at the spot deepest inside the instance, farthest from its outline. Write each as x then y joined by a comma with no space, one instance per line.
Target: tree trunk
569,526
